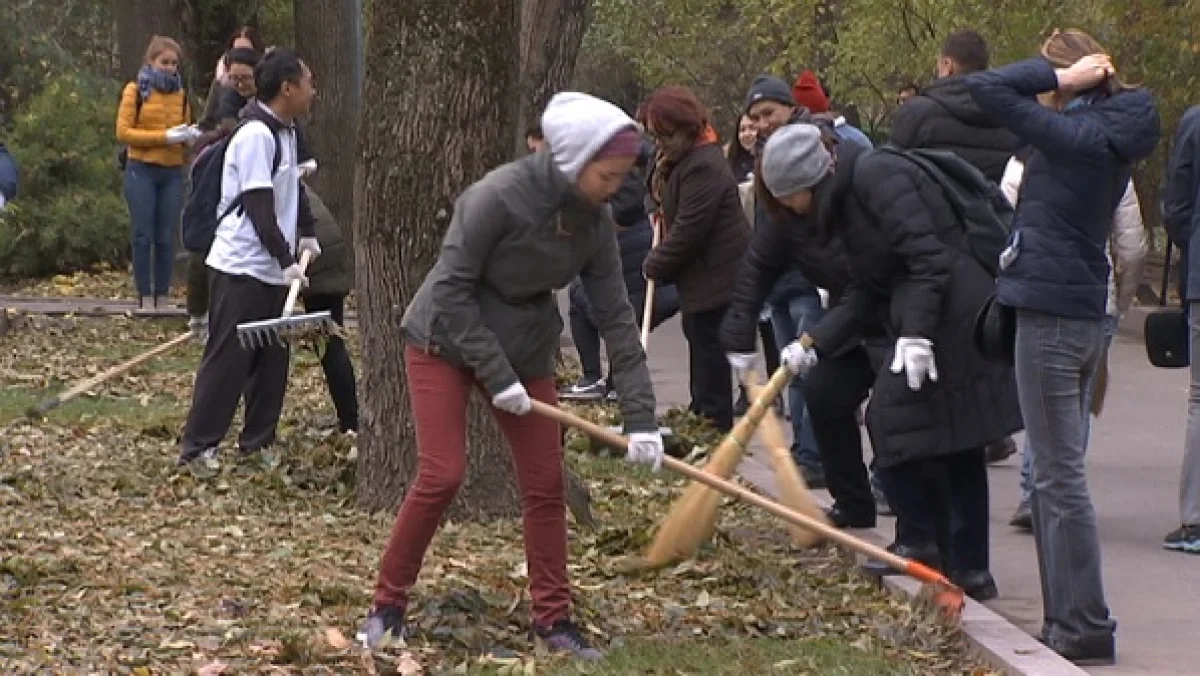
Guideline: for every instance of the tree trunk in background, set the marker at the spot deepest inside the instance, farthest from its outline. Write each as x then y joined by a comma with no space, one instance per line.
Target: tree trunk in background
432,67
137,22
328,39
207,25
551,33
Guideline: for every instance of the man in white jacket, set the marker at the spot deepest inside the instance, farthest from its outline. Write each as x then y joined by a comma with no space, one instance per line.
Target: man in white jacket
1128,243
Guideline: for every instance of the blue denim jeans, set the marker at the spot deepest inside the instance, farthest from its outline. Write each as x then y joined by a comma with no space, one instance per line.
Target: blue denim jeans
790,318
155,198
1110,330
1057,359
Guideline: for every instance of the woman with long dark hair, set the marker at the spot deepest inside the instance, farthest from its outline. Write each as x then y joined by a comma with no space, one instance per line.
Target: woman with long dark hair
704,236
1055,277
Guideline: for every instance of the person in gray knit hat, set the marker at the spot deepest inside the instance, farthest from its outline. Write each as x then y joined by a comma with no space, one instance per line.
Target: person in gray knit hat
940,402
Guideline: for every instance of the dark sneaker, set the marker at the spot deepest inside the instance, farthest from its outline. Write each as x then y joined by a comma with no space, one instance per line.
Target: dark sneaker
1184,539
564,636
384,624
1091,651
586,390
978,584
841,519
1023,517
927,555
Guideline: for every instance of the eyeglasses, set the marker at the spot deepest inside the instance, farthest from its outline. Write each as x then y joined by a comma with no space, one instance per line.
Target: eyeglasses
241,79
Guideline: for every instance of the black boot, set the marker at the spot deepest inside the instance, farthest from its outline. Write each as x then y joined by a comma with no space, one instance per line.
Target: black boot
978,584
927,554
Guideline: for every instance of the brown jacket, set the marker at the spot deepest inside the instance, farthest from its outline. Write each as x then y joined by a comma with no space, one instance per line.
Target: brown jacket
706,232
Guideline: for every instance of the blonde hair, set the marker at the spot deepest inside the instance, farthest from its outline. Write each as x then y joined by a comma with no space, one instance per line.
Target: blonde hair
1063,48
160,44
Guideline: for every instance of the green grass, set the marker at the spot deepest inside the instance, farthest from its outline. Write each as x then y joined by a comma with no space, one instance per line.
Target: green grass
160,409
737,658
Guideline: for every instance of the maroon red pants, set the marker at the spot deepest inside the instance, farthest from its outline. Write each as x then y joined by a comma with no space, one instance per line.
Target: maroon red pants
439,393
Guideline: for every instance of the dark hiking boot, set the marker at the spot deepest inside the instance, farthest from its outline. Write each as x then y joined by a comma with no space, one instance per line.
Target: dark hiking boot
1023,517
1000,451
564,636
1090,651
978,584
927,555
1184,539
383,625
587,389
841,519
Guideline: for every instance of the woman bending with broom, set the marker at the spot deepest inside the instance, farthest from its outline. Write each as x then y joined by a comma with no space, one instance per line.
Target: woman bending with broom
485,318
937,406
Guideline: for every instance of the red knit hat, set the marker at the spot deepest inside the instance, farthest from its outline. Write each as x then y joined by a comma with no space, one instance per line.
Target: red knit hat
808,93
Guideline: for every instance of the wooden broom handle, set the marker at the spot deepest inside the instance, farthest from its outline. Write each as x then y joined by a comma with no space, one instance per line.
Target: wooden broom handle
648,305
731,489
294,292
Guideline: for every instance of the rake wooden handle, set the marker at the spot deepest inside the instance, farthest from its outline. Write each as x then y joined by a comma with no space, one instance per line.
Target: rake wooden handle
648,306
294,292
40,411
915,569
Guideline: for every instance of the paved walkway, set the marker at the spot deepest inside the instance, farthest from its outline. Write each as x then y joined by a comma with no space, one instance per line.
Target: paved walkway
1134,476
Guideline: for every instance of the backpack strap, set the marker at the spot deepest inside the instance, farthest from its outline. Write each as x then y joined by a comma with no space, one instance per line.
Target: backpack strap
275,162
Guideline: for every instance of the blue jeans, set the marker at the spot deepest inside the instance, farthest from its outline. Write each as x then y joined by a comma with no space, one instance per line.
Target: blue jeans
1057,359
1110,330
790,318
155,197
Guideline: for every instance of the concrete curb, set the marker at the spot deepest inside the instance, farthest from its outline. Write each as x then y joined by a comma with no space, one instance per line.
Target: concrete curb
998,641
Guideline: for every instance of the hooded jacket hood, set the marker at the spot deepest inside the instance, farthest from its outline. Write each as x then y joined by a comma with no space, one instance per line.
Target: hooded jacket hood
1131,123
952,94
577,126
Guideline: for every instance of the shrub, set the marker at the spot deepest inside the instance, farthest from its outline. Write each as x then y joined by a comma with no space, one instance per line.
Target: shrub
70,214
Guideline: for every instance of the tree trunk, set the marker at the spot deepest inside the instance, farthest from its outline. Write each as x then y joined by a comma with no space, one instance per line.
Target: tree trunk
551,33
136,23
328,39
441,78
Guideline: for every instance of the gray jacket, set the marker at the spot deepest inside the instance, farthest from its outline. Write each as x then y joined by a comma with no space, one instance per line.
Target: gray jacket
488,304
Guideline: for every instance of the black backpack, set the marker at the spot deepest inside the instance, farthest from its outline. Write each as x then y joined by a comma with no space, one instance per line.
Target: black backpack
985,213
200,218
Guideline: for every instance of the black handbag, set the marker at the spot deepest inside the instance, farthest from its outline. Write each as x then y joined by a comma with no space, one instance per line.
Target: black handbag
1167,338
996,332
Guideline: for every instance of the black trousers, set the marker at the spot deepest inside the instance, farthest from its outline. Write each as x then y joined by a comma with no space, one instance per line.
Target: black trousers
339,370
833,391
228,371
943,501
197,284
711,380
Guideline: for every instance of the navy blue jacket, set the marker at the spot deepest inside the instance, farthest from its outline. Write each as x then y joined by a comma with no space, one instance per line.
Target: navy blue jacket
1180,215
8,175
1081,163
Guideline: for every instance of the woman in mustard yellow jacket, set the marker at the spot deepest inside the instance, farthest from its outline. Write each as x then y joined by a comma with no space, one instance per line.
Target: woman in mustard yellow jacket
153,123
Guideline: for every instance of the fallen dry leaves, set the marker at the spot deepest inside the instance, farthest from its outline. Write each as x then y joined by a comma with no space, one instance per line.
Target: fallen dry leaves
112,561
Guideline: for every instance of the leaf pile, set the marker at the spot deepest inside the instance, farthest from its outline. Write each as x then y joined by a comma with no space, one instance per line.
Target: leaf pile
114,561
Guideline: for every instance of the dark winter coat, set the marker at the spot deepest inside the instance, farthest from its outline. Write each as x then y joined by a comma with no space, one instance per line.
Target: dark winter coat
780,246
8,175
705,232
944,116
1073,182
1181,214
910,273
331,273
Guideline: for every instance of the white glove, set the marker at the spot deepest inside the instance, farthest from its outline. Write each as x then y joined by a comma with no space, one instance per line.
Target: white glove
307,168
824,298
309,244
292,273
914,356
645,448
741,362
178,134
514,399
797,358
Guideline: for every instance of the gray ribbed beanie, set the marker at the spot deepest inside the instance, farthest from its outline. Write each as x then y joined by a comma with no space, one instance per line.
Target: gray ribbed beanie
795,159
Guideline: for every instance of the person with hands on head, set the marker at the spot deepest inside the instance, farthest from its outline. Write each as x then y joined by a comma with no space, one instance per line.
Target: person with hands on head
1087,131
486,318
939,402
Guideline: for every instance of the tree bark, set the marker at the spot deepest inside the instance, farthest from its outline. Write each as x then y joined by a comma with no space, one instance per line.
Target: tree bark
442,79
328,38
551,34
136,23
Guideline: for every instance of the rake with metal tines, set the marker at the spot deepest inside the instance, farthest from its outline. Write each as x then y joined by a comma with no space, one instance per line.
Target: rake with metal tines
254,335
